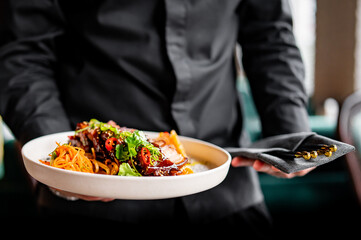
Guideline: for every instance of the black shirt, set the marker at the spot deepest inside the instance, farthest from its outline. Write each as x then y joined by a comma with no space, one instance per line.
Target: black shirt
154,65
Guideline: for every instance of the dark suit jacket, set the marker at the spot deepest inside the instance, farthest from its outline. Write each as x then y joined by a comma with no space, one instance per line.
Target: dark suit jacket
153,65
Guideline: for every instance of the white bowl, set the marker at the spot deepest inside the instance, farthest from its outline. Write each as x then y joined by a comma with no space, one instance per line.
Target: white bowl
122,187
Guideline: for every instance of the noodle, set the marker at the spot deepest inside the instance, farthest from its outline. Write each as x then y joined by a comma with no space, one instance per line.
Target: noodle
75,159
71,158
115,168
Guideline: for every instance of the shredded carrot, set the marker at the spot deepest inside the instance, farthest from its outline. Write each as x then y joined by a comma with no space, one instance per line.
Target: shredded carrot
45,162
71,158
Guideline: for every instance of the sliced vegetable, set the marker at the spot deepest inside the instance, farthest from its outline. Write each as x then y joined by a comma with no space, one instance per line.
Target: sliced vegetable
145,156
109,143
126,170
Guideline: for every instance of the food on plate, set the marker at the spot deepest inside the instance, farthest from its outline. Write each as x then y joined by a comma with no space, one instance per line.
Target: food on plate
106,148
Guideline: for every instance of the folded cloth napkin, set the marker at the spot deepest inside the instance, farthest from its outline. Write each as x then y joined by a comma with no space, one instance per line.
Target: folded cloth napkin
280,150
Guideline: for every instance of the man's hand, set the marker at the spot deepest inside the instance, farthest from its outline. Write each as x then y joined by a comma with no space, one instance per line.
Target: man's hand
266,168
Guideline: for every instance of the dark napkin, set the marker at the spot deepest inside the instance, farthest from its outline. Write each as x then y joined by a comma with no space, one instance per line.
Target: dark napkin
279,150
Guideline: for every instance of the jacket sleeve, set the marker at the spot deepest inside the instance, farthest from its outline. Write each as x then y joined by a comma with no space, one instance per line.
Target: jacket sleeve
273,66
29,97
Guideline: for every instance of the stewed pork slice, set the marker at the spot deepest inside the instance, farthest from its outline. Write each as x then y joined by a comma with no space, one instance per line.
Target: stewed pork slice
172,155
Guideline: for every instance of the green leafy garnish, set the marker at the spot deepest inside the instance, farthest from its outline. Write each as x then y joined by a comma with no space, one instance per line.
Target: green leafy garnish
54,155
126,170
134,142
